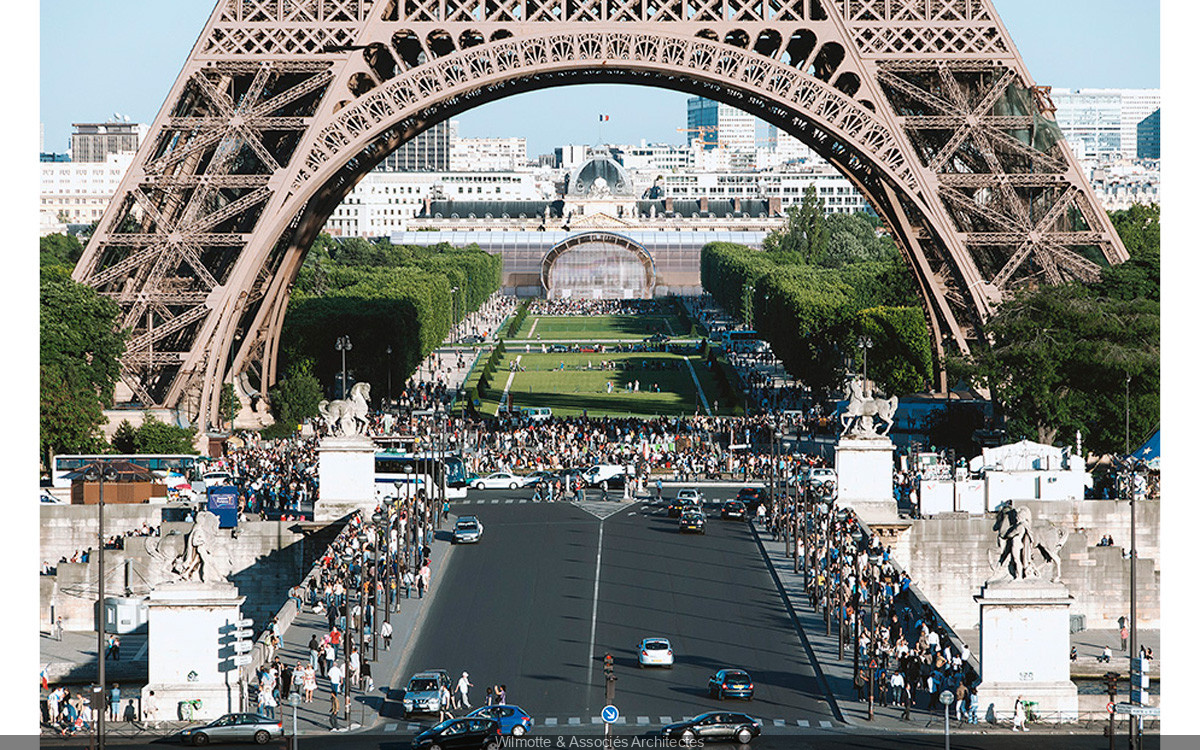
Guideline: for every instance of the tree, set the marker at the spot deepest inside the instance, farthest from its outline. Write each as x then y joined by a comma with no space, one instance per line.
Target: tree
805,233
124,440
295,397
80,349
230,403
156,436
60,250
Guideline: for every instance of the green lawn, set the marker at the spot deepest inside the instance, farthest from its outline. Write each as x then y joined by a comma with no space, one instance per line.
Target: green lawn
564,383
584,328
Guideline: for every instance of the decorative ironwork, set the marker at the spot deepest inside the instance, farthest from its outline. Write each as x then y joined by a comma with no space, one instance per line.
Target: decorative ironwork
282,104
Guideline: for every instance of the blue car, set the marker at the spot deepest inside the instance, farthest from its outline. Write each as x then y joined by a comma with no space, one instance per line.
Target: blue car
513,720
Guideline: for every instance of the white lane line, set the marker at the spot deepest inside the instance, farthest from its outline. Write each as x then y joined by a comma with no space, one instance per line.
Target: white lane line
391,727
506,502
551,722
826,725
643,720
414,727
597,720
780,723
802,722
696,380
533,328
497,500
574,721
591,654
664,720
523,500
513,374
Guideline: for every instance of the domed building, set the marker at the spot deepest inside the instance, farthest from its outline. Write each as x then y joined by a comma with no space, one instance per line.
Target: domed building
600,185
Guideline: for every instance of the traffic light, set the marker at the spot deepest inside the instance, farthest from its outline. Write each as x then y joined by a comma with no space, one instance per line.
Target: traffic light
1110,680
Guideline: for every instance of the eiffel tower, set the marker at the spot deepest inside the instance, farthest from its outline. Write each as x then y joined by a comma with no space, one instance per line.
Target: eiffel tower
283,105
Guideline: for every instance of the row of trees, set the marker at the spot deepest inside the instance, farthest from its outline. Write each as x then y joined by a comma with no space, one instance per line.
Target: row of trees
384,296
819,285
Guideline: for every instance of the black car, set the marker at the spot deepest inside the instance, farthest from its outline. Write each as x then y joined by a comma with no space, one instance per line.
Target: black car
734,509
657,338
560,348
751,497
691,520
716,725
731,683
452,734
676,507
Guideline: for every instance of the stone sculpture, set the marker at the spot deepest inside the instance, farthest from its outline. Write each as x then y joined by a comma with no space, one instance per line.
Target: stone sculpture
347,416
1024,551
204,556
864,413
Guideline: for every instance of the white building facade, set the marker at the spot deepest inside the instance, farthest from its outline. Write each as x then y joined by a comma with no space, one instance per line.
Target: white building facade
838,193
1101,124
74,192
487,154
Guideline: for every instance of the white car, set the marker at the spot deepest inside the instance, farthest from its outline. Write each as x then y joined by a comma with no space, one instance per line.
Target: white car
655,652
48,499
689,495
821,475
499,480
468,529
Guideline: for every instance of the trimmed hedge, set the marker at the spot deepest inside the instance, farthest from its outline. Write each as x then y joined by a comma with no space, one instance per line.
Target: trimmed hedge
518,319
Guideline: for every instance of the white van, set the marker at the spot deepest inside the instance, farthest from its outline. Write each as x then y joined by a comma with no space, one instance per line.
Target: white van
594,475
537,413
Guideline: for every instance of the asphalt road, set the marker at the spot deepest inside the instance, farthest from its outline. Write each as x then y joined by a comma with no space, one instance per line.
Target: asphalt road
518,609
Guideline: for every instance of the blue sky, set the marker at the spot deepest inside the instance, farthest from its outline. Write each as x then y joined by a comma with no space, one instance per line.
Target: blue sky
122,56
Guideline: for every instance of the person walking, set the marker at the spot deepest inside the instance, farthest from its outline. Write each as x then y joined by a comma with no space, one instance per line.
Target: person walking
385,630
463,684
334,711
1019,716
313,647
445,699
335,678
114,700
1124,638
368,681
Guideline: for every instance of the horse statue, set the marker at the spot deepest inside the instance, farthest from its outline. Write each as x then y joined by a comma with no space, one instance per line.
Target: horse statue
348,416
862,410
1024,551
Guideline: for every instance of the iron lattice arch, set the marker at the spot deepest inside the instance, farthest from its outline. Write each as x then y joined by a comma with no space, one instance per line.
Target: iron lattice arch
283,105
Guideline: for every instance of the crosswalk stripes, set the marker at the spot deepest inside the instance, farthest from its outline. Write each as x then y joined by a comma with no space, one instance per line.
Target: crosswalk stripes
802,722
551,722
574,721
826,725
597,720
391,727
643,720
780,723
664,719
496,501
414,727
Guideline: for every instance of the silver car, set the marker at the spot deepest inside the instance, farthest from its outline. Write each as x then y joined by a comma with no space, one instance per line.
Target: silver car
231,727
467,529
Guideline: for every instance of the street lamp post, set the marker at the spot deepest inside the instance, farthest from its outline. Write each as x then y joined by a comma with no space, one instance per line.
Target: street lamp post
343,345
377,521
99,473
389,371
865,343
348,637
946,698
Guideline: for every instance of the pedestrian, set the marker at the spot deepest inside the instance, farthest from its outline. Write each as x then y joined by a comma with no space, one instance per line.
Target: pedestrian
463,684
334,710
420,587
114,700
58,629
1124,638
1019,716
385,630
313,646
502,696
1074,654
488,697
368,681
1106,656
150,710
335,678
445,702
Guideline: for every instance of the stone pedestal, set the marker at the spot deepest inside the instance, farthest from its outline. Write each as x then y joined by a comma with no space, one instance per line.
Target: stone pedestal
864,478
346,471
190,649
1025,647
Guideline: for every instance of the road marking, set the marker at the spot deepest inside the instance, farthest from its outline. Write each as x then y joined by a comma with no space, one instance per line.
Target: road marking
391,727
496,501
597,720
780,722
574,721
508,501
643,720
141,651
699,390
591,655
664,720
533,328
802,722
413,726
523,500
631,515
552,722
513,374
826,725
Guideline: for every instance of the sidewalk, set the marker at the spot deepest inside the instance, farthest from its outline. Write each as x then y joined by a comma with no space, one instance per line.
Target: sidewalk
837,676
366,708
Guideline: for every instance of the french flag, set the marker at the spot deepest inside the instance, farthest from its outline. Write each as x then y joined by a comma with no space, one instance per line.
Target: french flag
603,118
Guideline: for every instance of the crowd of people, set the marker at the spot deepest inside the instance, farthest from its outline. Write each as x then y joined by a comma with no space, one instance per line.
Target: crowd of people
903,655
590,307
276,479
